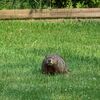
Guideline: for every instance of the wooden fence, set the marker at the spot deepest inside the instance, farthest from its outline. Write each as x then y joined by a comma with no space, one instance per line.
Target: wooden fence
50,13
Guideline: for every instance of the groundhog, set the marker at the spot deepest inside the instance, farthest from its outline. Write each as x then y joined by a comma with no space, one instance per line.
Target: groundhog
54,64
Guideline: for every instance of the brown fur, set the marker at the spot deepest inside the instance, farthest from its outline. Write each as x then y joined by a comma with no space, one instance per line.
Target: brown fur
53,64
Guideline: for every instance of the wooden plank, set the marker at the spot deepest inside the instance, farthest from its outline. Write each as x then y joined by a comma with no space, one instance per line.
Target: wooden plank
50,13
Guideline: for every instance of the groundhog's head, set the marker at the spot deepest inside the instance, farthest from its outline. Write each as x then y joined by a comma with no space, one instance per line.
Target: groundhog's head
51,61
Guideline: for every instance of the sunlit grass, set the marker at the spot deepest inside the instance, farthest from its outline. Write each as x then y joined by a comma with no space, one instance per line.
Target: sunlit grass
23,45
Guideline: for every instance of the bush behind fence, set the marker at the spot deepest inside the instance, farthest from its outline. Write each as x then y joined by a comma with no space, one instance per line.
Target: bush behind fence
22,4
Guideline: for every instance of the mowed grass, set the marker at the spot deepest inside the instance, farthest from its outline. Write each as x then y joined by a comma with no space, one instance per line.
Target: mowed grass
23,45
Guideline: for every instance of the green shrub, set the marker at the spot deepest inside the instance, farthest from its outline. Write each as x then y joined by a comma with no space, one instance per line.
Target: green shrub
86,3
22,4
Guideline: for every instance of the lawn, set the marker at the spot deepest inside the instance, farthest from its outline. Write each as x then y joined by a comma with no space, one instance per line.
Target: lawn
23,45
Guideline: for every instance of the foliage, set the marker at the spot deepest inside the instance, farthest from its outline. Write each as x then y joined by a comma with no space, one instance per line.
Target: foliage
23,45
86,3
22,4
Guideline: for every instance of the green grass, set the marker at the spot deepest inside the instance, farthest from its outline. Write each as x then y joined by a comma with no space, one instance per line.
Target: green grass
23,45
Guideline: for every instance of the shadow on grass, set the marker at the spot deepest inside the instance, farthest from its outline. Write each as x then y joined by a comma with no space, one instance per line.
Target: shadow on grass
42,93
29,93
84,93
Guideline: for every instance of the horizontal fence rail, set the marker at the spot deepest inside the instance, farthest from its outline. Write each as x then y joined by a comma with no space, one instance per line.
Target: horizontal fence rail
50,13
